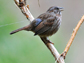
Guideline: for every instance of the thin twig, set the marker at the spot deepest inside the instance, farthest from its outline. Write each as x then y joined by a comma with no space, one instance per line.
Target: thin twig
38,3
25,10
73,36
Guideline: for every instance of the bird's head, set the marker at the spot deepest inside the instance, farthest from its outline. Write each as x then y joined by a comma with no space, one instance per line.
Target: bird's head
55,9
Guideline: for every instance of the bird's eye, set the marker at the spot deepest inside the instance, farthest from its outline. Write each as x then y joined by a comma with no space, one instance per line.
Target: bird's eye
57,8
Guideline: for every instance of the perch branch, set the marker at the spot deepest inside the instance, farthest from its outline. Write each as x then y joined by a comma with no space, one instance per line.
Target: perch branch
25,10
49,44
73,36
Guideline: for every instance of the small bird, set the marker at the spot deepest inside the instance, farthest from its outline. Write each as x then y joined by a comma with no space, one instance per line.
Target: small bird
46,24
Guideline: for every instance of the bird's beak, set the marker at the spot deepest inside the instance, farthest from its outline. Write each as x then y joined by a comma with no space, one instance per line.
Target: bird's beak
61,8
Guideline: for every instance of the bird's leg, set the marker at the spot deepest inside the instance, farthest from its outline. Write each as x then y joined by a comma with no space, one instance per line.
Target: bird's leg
46,40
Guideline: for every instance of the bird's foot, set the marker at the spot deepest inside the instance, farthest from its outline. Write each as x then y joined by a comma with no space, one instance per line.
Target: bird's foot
50,41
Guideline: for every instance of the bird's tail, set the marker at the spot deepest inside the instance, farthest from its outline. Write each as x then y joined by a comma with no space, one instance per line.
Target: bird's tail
23,28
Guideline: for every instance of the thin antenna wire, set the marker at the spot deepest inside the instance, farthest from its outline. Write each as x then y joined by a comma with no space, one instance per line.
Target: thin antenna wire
12,23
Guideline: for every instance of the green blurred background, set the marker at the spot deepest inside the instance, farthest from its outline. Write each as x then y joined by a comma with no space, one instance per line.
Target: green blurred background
23,47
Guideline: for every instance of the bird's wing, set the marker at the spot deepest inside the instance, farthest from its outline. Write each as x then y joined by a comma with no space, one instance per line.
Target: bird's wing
44,25
38,21
41,28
